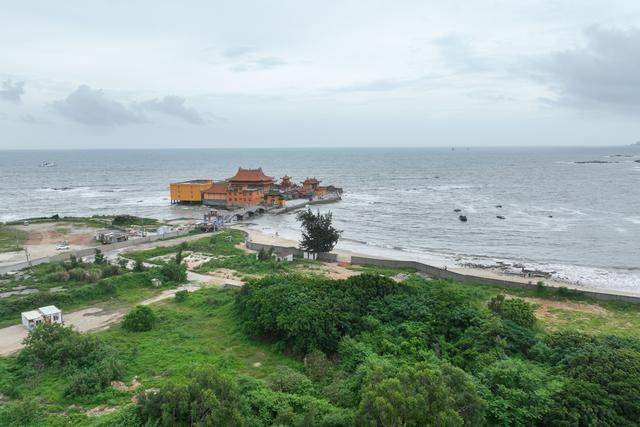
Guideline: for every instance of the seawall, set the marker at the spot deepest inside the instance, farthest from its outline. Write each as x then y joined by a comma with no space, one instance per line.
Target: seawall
440,273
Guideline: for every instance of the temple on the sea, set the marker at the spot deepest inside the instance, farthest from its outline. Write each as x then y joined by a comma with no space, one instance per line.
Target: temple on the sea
248,187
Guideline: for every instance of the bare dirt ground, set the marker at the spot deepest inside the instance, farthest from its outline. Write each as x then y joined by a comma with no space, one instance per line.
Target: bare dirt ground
330,269
543,306
101,410
43,238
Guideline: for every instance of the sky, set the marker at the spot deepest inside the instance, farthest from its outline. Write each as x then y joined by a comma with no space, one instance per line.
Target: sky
208,74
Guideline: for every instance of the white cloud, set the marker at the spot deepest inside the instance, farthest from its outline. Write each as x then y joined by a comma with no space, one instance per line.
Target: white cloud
12,92
91,107
604,73
174,106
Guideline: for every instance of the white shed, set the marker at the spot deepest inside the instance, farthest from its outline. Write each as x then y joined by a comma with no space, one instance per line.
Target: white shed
310,255
31,319
48,314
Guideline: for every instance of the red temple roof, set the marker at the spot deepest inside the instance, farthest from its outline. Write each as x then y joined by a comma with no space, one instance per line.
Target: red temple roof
217,188
250,175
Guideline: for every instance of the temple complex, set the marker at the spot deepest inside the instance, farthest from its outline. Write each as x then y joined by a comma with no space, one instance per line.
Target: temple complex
249,187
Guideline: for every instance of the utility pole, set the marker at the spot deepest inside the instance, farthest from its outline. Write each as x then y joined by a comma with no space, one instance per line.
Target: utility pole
26,252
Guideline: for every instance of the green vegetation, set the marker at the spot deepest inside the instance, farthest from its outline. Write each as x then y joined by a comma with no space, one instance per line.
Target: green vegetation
85,359
318,233
222,247
140,319
181,296
415,346
294,349
515,309
130,220
11,239
73,284
305,350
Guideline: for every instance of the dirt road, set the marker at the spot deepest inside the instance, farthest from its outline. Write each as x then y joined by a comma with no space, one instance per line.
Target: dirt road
94,319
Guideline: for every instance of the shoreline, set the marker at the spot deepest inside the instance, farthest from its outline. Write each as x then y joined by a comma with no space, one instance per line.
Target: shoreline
262,237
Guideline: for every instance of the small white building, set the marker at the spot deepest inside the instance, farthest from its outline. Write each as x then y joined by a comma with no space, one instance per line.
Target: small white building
48,314
284,256
311,255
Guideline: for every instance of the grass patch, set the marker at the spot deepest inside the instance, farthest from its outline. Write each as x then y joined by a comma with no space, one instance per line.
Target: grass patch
223,247
11,239
200,331
71,287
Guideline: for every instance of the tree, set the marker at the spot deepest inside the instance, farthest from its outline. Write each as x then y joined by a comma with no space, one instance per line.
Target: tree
181,295
420,395
140,319
208,399
139,266
99,257
179,256
174,272
318,233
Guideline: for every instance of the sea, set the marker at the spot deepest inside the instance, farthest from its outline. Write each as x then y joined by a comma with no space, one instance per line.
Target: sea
571,212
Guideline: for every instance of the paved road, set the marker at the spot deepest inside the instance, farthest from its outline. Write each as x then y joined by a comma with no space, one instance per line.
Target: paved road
115,248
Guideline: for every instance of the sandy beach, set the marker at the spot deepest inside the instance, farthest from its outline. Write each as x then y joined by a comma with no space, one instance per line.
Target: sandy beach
262,237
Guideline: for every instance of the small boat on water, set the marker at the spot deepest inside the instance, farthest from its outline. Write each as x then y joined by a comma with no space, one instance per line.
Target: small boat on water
46,164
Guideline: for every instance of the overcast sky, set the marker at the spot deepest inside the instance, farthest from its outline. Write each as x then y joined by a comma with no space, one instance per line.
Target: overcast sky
160,74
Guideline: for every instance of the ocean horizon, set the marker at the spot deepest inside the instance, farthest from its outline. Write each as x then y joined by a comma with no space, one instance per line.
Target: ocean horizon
573,212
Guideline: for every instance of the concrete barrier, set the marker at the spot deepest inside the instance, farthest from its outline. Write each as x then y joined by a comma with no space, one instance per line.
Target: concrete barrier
440,273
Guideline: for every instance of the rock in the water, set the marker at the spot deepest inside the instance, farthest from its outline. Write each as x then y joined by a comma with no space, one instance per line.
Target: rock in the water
550,216
597,162
463,218
500,217
457,210
498,206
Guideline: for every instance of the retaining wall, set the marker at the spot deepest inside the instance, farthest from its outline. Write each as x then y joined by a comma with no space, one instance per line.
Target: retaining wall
440,273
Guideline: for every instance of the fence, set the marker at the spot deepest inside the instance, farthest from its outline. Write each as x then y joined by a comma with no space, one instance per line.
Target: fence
298,253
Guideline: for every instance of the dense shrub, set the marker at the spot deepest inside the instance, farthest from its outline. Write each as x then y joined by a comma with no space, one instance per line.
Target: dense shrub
518,392
208,399
420,395
272,307
139,266
174,272
20,413
90,363
289,380
181,296
140,319
514,309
